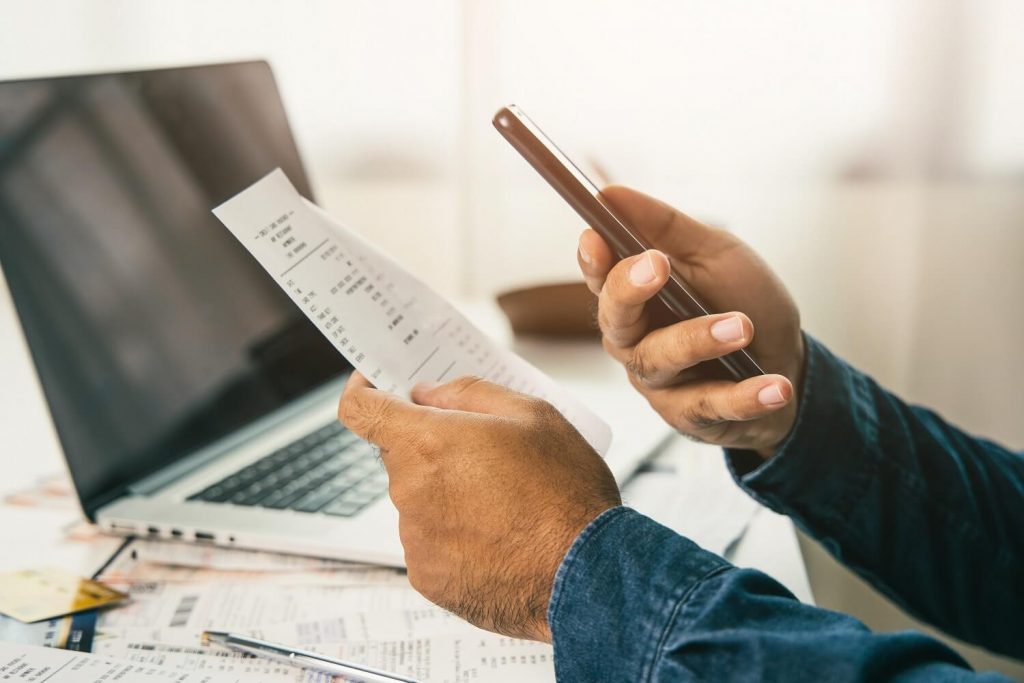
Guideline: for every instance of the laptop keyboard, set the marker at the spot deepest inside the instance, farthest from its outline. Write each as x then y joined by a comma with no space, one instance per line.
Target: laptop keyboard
330,471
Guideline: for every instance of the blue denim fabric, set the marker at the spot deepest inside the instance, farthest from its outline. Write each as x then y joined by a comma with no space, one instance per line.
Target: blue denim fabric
930,516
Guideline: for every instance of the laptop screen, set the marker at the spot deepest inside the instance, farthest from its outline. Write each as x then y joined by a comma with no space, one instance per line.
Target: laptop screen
153,331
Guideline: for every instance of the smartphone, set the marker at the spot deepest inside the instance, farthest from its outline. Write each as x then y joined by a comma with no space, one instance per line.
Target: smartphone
677,300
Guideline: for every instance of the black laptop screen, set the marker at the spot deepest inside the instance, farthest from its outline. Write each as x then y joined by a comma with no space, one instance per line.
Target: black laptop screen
153,331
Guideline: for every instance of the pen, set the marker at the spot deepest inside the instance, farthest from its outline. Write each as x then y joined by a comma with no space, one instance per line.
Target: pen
301,658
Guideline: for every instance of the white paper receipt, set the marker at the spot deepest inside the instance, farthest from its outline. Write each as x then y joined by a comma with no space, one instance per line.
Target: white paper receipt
388,324
32,664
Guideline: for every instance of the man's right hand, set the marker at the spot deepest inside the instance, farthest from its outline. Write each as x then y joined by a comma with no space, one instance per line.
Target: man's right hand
755,414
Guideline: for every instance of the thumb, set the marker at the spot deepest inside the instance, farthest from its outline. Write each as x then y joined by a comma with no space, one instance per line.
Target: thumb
377,416
472,395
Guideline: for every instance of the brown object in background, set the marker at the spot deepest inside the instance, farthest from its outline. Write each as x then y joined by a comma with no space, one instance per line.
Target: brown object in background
560,310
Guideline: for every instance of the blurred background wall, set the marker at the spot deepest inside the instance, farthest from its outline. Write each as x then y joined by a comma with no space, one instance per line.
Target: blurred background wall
872,151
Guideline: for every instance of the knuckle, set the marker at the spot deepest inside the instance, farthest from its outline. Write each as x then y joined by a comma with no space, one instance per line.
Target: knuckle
616,290
347,409
637,383
540,410
690,344
698,412
431,472
638,364
412,487
375,421
430,442
612,288
425,442
350,414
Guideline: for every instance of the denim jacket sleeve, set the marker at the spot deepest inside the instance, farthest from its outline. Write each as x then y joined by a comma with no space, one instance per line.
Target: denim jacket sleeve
930,516
634,601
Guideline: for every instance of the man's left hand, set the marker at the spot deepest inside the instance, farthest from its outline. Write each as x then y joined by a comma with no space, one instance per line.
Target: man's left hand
491,487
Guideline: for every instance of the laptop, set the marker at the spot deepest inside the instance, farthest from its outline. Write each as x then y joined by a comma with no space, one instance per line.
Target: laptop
191,398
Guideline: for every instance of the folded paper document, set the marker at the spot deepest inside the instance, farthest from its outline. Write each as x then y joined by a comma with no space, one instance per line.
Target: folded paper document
391,326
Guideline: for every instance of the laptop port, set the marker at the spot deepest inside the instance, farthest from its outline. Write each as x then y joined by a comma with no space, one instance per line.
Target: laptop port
204,536
177,533
153,531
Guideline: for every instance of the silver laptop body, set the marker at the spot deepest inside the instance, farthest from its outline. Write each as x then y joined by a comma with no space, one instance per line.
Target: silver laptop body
193,401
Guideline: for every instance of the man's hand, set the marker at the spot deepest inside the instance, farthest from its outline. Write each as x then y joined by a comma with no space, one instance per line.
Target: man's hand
491,487
756,413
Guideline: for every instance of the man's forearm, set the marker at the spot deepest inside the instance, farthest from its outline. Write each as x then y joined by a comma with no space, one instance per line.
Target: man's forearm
634,601
932,517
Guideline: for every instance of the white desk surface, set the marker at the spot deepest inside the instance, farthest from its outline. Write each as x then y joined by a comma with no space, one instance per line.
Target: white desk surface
29,450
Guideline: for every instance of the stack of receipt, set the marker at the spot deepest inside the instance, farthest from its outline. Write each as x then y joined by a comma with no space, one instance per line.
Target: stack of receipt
369,615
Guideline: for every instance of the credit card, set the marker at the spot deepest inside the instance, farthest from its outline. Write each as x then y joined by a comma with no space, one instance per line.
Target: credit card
70,632
37,594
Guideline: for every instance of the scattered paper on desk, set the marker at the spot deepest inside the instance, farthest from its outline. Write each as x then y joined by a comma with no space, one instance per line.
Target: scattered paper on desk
443,647
37,594
689,489
153,563
242,606
389,325
54,492
33,664
369,615
194,659
198,556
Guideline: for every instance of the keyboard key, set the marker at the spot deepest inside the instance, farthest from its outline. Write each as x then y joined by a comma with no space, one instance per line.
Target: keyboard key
280,499
211,494
265,464
332,446
320,497
334,465
328,469
343,508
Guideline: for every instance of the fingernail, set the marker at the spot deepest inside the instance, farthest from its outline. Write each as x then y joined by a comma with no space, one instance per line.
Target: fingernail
770,396
728,330
584,255
642,272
